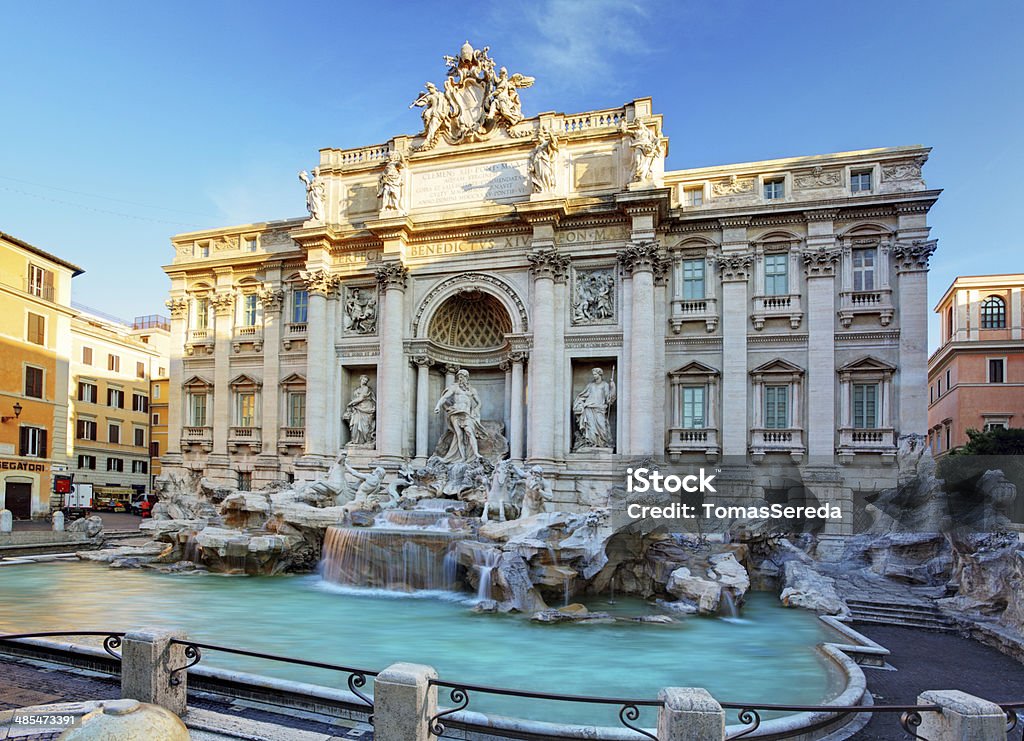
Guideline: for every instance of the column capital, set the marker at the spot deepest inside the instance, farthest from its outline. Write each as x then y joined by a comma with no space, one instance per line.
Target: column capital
319,282
452,368
177,306
392,275
422,360
271,298
548,262
517,356
644,256
913,256
223,302
821,263
735,267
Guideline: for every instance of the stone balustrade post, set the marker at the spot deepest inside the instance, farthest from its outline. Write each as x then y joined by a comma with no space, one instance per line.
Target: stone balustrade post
6,521
404,701
690,714
963,717
147,659
58,522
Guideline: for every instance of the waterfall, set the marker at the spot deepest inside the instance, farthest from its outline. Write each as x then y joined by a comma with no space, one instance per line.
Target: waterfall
485,561
387,558
727,606
190,550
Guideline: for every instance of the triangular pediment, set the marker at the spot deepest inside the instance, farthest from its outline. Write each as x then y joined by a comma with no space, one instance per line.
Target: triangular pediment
867,364
694,368
778,365
197,382
295,379
245,379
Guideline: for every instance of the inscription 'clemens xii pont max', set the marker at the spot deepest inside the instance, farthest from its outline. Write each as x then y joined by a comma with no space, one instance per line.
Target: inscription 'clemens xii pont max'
493,182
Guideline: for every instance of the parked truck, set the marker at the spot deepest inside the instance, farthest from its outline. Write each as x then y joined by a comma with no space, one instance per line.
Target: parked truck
77,502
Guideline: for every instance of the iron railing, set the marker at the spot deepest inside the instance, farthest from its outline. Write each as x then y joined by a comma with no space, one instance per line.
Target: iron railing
748,714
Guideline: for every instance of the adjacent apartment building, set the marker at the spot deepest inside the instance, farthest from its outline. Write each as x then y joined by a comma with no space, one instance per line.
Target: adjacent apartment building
976,377
35,348
113,363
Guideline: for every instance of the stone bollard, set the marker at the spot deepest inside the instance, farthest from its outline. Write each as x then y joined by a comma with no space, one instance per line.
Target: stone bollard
58,522
147,659
404,702
690,714
963,717
6,521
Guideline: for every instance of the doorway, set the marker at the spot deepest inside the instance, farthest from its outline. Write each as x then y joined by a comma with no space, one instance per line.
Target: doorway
18,499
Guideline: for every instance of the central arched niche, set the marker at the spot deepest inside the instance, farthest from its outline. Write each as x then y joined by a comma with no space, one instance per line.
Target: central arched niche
471,327
470,320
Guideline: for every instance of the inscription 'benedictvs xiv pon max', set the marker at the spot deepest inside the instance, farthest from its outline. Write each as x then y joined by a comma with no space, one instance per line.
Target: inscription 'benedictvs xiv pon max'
769,317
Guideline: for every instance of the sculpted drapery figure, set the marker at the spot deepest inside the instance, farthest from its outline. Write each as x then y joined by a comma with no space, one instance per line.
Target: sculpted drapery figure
389,186
591,409
536,492
361,414
461,403
594,298
432,101
542,162
646,146
361,311
315,192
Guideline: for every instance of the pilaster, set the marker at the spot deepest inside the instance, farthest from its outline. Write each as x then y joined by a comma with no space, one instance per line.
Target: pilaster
391,278
912,380
734,270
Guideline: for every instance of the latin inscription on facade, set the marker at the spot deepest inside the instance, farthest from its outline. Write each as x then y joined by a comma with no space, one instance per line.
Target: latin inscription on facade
496,182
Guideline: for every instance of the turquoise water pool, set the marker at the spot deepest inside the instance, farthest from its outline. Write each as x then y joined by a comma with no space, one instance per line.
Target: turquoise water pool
768,656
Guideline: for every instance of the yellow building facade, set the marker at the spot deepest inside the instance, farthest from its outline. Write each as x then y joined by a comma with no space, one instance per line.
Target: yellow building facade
113,363
158,410
35,347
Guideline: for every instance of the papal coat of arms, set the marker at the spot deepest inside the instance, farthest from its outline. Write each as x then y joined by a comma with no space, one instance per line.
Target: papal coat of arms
474,102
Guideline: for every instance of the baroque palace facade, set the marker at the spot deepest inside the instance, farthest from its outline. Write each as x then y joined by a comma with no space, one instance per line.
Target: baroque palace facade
769,317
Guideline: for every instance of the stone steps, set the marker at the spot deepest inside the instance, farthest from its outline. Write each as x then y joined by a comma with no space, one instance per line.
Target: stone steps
911,615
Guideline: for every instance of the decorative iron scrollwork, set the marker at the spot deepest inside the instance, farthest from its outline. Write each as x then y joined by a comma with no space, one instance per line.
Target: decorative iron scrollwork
193,654
629,713
459,696
750,718
355,681
110,644
1012,718
910,721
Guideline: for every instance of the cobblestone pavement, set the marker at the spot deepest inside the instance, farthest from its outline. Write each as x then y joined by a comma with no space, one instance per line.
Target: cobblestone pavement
24,683
935,661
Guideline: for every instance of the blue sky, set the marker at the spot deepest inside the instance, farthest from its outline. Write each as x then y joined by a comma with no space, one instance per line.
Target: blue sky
125,123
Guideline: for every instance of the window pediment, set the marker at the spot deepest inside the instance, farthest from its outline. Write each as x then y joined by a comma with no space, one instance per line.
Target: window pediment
294,381
244,382
197,383
778,369
693,372
868,365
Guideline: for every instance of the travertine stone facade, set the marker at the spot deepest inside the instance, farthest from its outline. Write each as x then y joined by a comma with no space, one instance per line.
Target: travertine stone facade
764,315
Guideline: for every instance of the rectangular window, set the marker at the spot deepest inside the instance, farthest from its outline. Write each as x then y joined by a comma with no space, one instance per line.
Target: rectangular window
87,392
113,433
989,426
996,370
938,385
32,442
204,249
864,269
949,436
197,410
115,398
85,429
297,409
156,391
140,467
87,462
154,448
36,329
245,410
776,407
244,481
40,282
140,403
202,313
156,418
33,382
949,384
860,181
693,407
774,189
86,356
115,464
865,405
693,196
776,275
693,280
114,363
300,306
140,437
140,370
249,310
250,244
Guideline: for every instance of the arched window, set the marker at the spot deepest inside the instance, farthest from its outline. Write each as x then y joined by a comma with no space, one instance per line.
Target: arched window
993,313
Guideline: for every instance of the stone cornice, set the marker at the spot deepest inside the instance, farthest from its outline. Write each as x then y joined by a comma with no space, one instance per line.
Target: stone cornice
541,212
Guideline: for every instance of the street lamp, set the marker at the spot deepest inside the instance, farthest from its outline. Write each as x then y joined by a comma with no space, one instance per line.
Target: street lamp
17,413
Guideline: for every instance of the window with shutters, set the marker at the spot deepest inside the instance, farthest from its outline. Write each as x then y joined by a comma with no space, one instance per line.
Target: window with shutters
115,398
40,282
86,356
140,437
115,464
113,432
85,429
87,462
87,392
154,448
36,332
114,363
140,370
140,403
32,442
33,382
140,467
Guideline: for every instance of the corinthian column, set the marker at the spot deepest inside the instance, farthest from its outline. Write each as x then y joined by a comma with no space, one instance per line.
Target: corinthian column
641,261
271,299
319,350
546,266
912,285
734,270
391,277
820,268
423,363
224,311
178,308
515,416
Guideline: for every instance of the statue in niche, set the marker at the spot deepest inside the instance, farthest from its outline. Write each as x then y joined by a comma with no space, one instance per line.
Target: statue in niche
432,101
542,162
591,410
315,191
361,414
536,493
461,403
361,311
594,301
389,186
646,146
